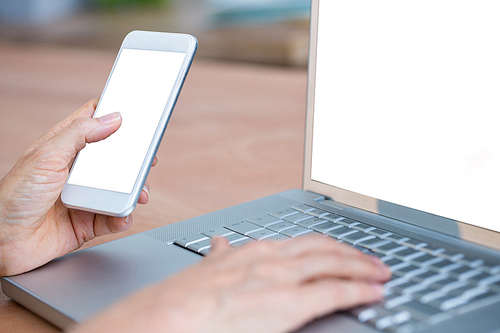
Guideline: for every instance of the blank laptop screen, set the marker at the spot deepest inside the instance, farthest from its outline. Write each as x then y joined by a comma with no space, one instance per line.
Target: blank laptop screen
407,104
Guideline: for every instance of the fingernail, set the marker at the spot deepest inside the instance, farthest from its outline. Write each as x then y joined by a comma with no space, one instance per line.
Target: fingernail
110,118
380,264
376,260
377,288
145,189
127,219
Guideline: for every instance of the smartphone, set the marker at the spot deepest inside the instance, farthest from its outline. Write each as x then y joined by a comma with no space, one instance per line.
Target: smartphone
107,177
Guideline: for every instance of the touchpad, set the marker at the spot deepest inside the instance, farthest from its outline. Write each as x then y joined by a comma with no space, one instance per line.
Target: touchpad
84,282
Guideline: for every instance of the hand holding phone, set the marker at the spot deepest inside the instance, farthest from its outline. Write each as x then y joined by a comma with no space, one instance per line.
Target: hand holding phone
107,176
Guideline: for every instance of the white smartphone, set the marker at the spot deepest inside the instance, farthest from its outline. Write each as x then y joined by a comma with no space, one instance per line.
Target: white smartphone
107,177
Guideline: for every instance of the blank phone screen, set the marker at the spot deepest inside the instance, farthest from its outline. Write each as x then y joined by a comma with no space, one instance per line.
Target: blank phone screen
139,88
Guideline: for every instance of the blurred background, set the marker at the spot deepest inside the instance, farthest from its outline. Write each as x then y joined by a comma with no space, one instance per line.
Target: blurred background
271,32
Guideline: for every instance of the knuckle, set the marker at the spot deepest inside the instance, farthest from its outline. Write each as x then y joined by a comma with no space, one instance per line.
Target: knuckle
262,247
78,122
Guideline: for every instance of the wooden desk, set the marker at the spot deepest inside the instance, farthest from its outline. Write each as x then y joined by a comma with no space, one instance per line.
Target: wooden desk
235,135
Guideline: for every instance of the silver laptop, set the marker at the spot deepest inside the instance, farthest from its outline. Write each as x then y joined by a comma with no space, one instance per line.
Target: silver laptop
402,161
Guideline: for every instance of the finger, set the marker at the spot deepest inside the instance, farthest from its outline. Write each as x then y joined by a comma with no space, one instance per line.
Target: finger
104,225
155,161
219,245
88,225
86,111
144,196
320,266
81,131
326,296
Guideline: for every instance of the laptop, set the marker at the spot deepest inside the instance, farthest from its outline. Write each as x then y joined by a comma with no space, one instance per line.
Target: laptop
402,154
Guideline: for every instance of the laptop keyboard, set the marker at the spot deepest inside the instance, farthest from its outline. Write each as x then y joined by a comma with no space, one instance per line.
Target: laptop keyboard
429,283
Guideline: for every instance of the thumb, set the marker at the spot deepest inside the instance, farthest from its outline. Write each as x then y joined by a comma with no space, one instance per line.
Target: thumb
74,137
219,245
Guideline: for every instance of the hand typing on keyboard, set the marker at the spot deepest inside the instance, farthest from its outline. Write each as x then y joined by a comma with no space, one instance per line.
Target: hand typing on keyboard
266,286
260,287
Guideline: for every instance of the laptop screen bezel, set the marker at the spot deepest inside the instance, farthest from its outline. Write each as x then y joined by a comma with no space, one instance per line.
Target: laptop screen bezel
401,213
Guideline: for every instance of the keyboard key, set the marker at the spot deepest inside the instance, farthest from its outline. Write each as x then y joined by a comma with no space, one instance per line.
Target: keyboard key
471,261
399,290
261,234
380,233
185,241
451,255
347,222
278,227
283,212
464,273
397,301
395,282
393,262
332,217
489,280
264,220
408,254
390,248
447,287
490,268
216,232
363,227
296,231
391,320
468,291
339,232
451,268
422,260
243,227
233,238
242,242
475,280
278,238
483,296
414,243
477,303
326,226
310,222
398,239
382,323
399,266
427,298
447,302
428,278
408,271
318,213
401,317
365,313
303,208
356,237
204,252
297,217
444,266
200,245
433,250
495,287
373,243
416,288
418,310
419,294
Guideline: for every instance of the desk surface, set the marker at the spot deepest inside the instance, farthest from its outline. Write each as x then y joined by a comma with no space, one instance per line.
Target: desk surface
236,135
